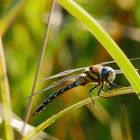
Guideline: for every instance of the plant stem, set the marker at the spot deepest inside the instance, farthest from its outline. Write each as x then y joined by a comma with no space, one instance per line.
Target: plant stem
5,94
38,69
48,122
108,43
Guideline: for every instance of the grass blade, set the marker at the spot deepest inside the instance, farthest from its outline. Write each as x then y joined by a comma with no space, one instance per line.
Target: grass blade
45,124
5,95
9,16
108,43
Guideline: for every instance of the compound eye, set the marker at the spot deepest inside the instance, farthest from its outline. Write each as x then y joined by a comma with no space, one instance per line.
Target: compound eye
110,72
104,72
111,76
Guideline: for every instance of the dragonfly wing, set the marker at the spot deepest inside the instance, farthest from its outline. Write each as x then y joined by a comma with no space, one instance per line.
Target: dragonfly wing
120,72
69,78
63,73
110,62
107,62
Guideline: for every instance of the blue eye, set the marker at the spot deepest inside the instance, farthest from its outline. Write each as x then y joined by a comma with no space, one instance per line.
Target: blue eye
104,72
108,74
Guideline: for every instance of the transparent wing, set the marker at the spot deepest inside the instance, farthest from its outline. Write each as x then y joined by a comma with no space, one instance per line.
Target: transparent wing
63,73
120,72
56,83
110,62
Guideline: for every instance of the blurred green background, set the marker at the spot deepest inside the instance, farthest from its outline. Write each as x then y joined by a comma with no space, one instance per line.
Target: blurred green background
71,46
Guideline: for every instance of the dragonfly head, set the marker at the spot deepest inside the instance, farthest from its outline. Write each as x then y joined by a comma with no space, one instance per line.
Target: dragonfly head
108,74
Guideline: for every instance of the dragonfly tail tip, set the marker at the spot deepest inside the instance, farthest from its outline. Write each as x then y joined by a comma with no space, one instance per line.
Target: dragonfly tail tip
34,113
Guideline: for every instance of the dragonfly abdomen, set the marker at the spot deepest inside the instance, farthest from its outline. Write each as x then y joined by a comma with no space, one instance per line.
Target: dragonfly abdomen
54,95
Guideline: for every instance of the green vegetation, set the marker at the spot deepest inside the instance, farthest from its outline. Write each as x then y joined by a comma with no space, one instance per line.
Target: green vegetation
76,39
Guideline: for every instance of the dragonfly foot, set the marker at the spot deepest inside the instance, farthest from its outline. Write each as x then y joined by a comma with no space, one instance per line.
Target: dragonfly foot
106,97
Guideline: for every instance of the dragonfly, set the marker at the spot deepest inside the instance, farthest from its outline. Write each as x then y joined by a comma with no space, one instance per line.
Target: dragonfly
99,74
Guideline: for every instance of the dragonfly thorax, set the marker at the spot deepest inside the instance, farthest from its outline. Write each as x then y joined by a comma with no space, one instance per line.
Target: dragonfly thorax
108,74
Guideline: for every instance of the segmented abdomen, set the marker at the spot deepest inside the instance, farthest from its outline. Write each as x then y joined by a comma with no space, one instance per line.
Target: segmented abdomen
53,96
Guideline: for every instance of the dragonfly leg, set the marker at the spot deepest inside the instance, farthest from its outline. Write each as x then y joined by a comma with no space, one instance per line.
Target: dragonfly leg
94,87
106,92
92,90
101,88
113,85
108,85
111,88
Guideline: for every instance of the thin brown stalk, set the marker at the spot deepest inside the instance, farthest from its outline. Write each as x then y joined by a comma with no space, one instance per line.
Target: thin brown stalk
38,68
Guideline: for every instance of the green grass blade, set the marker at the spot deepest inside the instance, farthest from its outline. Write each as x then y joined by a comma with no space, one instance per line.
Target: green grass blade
5,95
45,124
108,43
9,16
